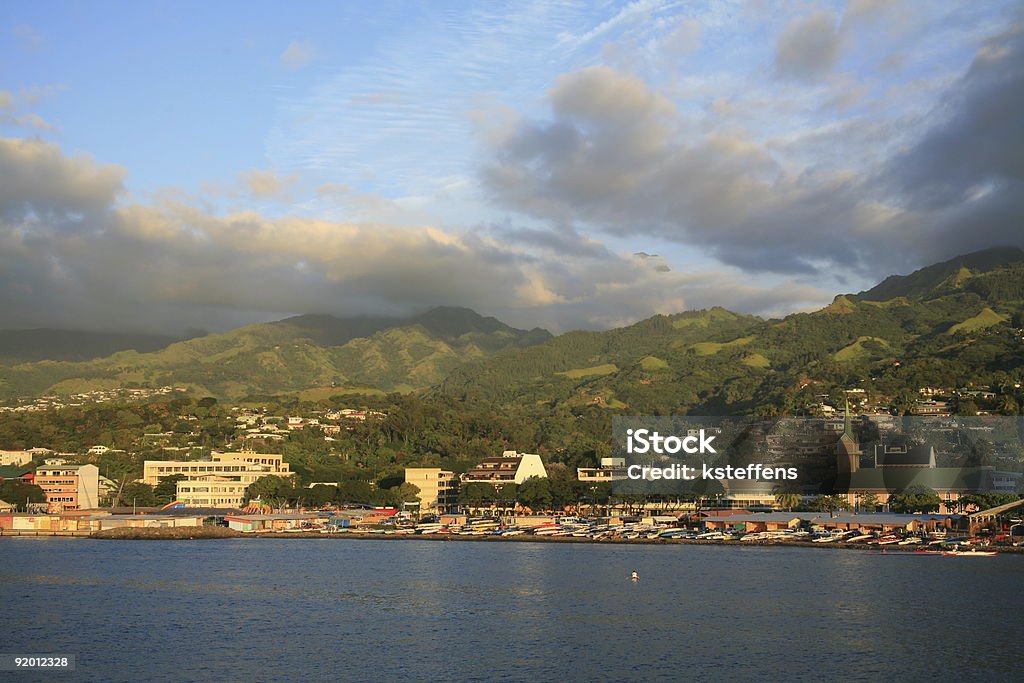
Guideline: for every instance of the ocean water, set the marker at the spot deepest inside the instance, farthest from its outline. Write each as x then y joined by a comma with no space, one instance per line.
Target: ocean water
362,610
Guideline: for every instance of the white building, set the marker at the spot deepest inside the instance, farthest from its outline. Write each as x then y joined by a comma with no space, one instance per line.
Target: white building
610,469
220,481
14,458
510,468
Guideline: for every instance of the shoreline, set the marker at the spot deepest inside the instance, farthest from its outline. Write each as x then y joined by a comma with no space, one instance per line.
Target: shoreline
211,533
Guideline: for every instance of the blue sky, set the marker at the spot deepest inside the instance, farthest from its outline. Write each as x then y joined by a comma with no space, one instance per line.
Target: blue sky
267,159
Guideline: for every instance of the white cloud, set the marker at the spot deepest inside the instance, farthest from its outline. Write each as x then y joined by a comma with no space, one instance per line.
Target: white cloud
298,54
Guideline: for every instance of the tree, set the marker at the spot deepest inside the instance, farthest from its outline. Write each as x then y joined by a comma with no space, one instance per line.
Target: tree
986,501
321,495
787,496
19,493
270,487
505,495
915,499
566,489
477,494
535,493
138,494
355,491
869,502
980,454
406,493
167,490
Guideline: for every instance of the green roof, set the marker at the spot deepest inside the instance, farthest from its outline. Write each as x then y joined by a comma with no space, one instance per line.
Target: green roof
13,471
935,478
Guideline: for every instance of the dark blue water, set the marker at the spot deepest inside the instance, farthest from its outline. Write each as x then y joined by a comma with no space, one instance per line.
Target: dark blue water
337,610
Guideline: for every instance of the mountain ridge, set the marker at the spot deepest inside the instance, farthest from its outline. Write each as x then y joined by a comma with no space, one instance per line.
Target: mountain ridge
949,323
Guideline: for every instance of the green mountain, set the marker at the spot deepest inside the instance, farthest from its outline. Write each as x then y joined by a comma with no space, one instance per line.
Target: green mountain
25,346
953,273
305,353
952,324
955,323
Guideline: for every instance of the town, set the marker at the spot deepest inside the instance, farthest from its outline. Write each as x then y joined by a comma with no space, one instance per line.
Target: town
892,491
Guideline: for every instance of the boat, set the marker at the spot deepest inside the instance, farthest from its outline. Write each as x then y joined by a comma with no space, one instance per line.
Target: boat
969,553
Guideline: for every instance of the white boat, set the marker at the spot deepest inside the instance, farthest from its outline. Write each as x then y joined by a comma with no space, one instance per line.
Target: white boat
970,553
858,539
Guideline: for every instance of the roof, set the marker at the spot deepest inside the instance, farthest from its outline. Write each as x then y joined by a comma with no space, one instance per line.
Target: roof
921,456
13,471
772,516
266,518
935,478
870,518
150,518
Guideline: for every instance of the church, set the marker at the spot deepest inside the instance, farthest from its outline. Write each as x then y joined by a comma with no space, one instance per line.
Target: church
891,469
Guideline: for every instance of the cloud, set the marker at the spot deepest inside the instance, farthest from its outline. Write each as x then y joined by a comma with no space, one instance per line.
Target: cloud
28,38
617,155
863,195
12,111
267,184
41,182
74,253
809,47
965,175
298,54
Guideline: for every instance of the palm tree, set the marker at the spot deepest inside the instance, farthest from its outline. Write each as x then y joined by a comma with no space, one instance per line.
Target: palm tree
787,496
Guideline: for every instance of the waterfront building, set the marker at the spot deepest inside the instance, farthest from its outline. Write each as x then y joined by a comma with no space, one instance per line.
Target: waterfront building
69,487
510,468
280,522
891,469
93,521
220,481
439,489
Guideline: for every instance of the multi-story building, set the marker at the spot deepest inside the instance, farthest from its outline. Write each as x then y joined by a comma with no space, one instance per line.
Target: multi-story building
611,469
69,487
10,458
439,489
220,481
510,468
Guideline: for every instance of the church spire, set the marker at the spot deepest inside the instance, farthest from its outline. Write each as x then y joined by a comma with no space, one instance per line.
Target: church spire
847,449
847,425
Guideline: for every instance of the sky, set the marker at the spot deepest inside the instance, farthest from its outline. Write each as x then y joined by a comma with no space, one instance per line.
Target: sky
176,165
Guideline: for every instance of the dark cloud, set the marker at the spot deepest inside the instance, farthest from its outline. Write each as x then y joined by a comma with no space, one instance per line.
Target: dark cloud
74,253
809,47
632,164
966,173
635,171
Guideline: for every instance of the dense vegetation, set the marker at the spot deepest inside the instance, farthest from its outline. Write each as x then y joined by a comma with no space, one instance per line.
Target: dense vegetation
456,387
313,352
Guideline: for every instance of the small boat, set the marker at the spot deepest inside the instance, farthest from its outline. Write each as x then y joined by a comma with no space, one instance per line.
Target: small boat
969,553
